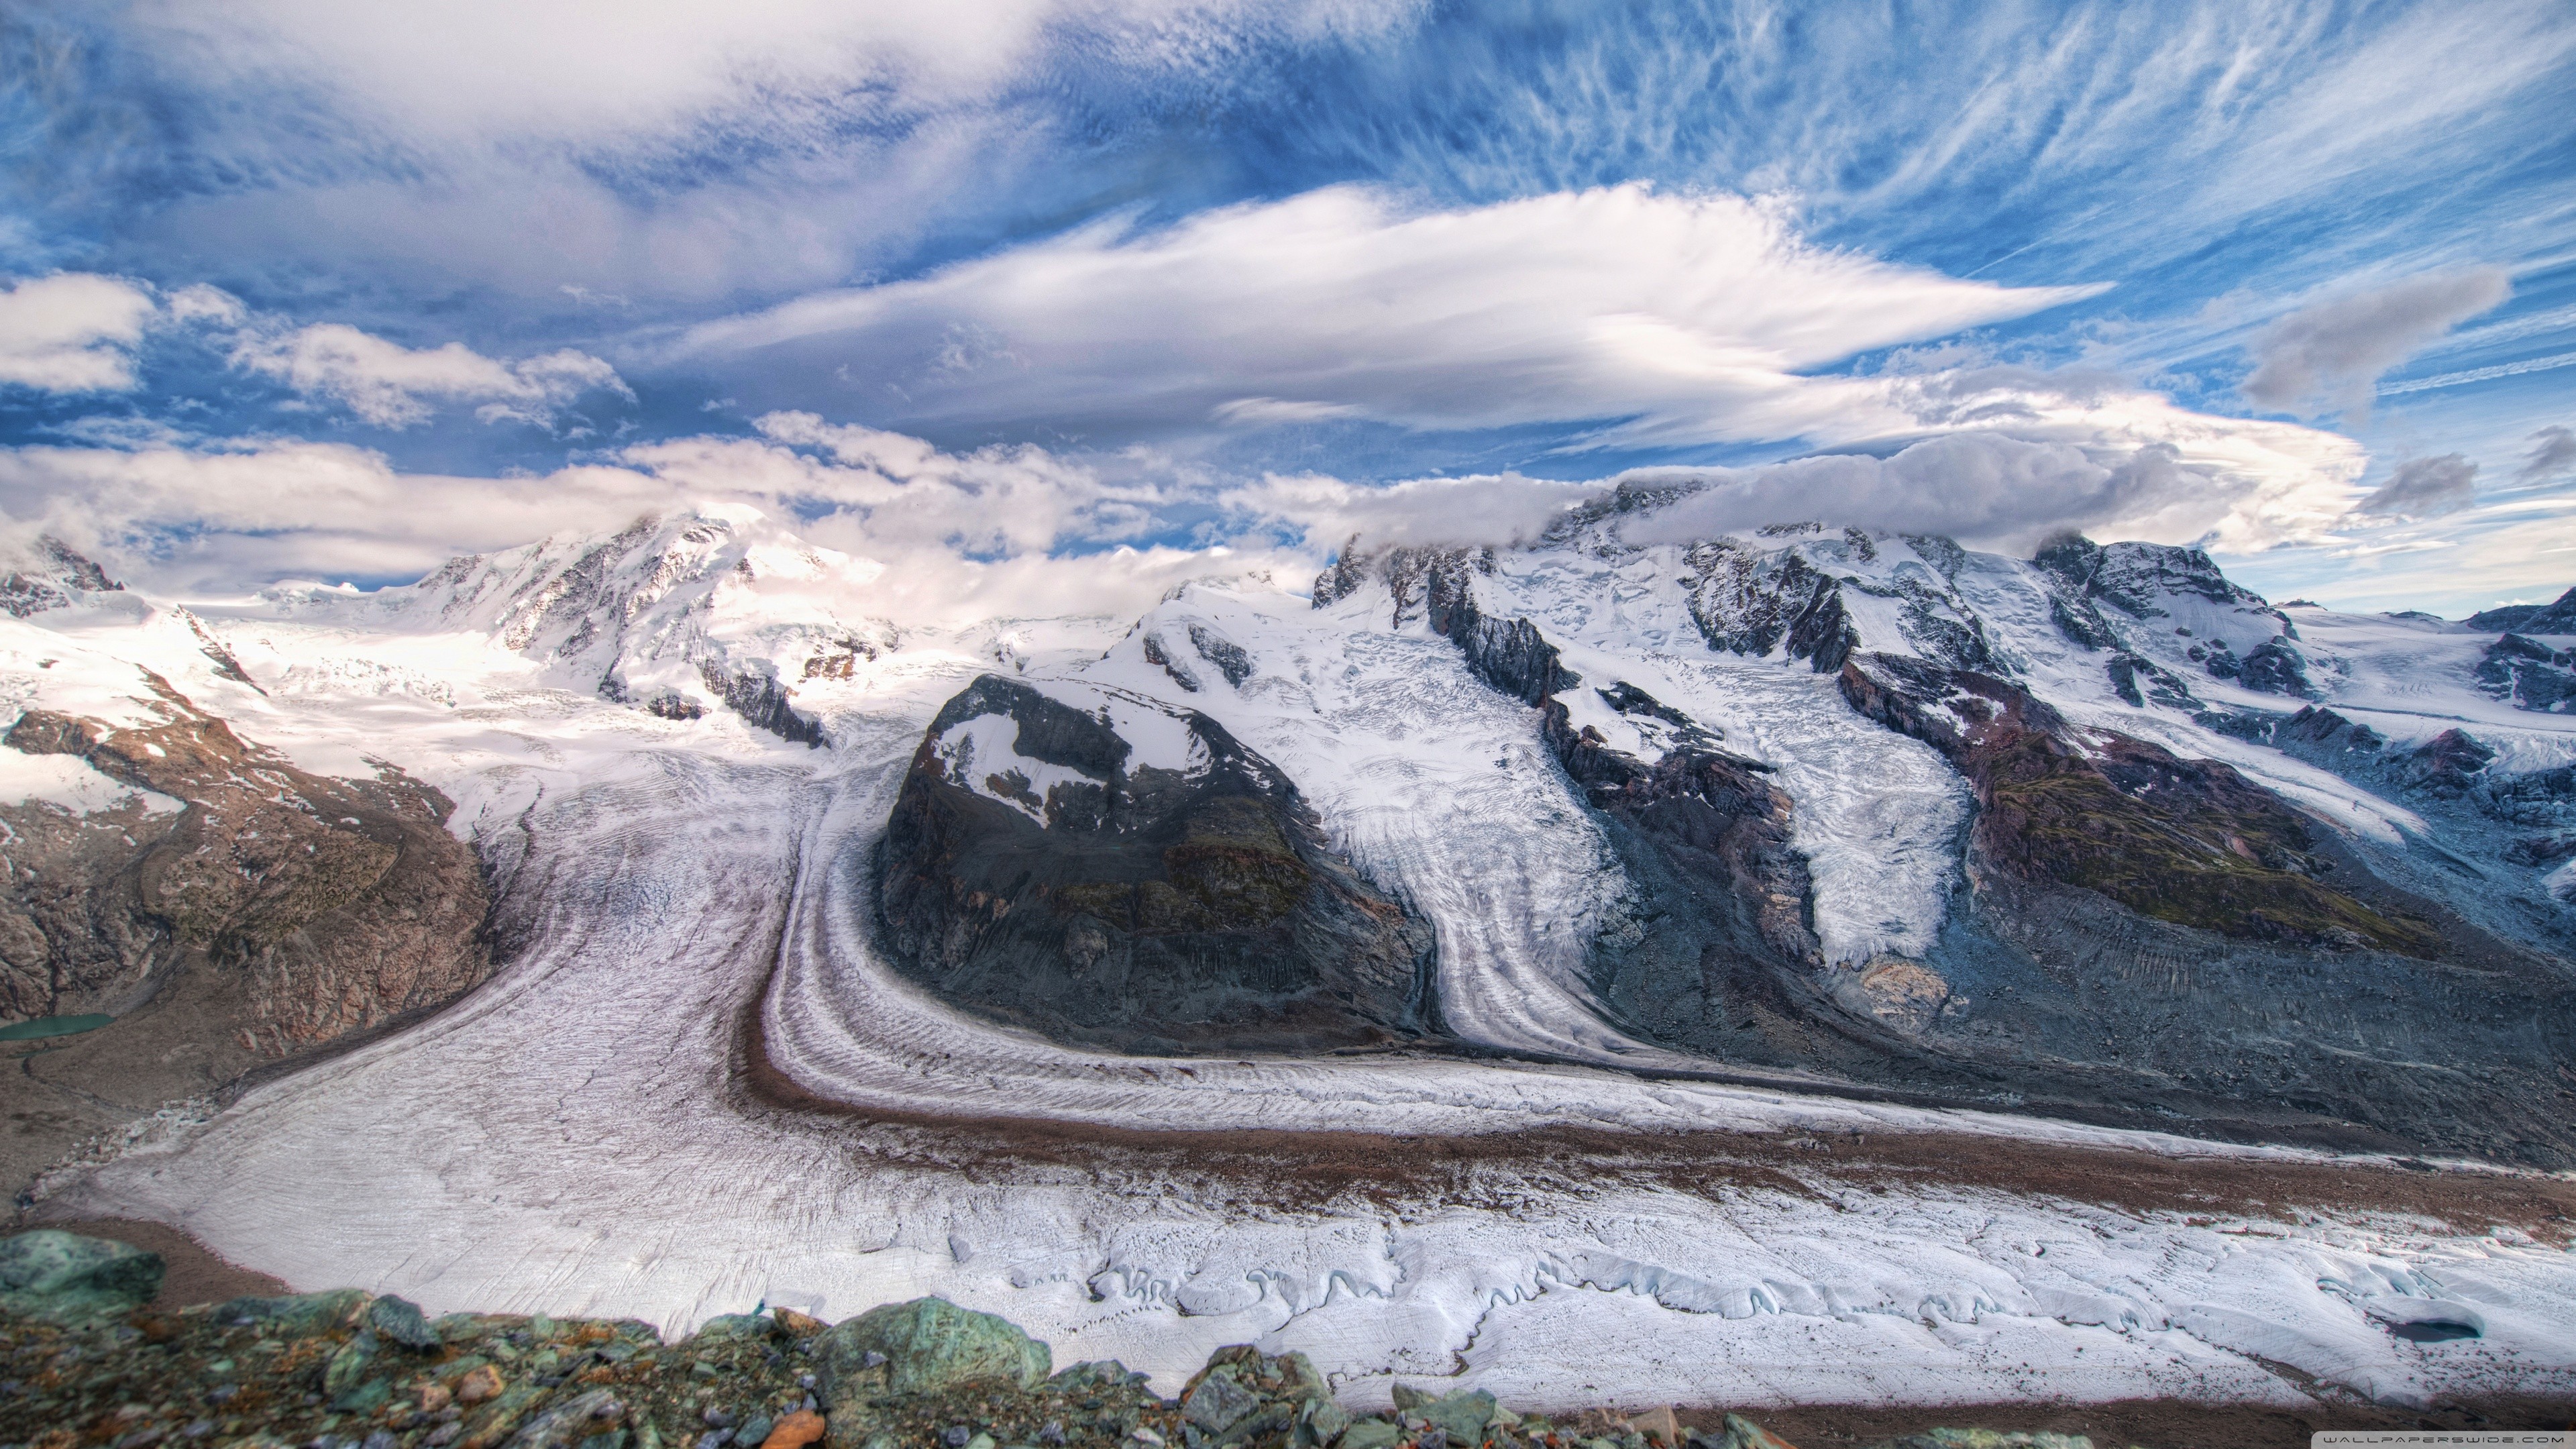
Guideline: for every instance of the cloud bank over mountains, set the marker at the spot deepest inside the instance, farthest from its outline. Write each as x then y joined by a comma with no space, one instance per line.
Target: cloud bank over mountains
296,288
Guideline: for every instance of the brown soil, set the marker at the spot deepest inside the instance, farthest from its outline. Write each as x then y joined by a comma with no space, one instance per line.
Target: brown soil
1294,1169
197,1274
2147,1423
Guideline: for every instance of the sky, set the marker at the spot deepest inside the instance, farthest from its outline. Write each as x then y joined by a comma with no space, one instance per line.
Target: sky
1034,289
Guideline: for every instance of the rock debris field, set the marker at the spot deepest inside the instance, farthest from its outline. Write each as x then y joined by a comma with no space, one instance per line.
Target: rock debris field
87,1360
90,1360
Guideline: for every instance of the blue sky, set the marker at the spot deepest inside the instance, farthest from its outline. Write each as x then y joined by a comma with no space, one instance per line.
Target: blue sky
300,289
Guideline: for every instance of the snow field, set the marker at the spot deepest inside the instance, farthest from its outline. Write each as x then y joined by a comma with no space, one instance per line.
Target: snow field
570,1138
576,1135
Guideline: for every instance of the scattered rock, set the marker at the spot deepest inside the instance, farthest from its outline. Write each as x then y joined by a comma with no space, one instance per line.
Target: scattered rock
67,1278
479,1384
1992,1440
795,1431
296,1313
1739,1432
569,1423
1659,1425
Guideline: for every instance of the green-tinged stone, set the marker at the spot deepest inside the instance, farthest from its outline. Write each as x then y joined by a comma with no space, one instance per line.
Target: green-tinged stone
492,1423
1739,1432
66,1278
1463,1414
399,1320
347,1367
456,1327
1218,1402
1370,1434
734,1325
574,1421
297,1313
1325,1421
2003,1439
929,1345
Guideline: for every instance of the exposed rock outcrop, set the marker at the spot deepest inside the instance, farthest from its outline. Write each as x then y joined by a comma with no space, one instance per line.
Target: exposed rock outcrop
256,912
2186,841
1040,871
2558,617
50,575
2529,673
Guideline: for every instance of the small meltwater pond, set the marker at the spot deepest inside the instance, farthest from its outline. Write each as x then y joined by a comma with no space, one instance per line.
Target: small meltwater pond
45,1026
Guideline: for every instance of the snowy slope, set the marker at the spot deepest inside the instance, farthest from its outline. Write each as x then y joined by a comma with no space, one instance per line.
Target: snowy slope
577,1135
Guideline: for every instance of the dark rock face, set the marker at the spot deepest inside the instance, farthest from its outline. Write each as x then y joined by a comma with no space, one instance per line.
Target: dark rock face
2552,618
2167,932
2190,842
762,701
277,913
2529,673
2084,578
2138,679
1719,929
2328,730
1748,601
1137,907
2273,667
2448,764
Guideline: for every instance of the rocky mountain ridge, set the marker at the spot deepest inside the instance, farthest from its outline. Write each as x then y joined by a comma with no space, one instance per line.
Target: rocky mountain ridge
2142,911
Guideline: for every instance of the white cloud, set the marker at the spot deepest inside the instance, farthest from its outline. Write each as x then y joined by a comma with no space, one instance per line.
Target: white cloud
1668,318
1499,509
2327,357
967,537
394,386
586,71
72,332
2241,484
2426,488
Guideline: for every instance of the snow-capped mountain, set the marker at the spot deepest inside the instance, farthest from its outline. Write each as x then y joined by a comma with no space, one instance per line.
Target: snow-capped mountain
720,608
2097,832
1629,831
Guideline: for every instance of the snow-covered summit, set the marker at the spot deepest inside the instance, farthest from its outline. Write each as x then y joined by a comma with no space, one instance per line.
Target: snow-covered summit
717,606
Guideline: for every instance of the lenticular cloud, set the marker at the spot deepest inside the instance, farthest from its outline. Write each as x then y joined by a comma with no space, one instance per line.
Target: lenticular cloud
1681,318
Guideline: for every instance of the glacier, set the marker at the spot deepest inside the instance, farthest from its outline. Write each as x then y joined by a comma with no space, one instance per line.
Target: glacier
695,1086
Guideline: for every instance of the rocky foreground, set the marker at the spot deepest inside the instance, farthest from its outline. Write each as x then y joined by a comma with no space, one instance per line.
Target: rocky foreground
84,1361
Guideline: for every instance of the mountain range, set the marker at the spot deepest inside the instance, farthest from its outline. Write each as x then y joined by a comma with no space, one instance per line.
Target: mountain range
2097,834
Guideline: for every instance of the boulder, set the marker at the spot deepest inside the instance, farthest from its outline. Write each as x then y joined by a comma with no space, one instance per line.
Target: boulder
923,1346
571,1422
1739,1432
297,1314
66,1278
399,1320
